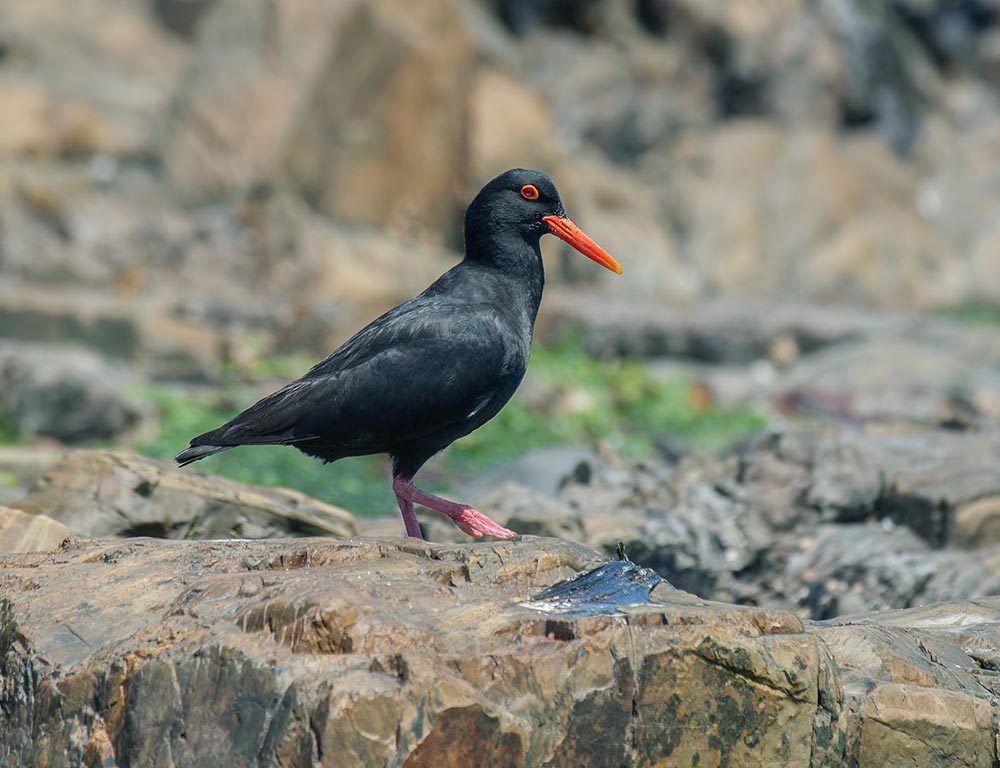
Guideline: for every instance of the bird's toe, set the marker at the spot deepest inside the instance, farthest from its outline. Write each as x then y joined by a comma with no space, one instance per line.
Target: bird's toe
477,524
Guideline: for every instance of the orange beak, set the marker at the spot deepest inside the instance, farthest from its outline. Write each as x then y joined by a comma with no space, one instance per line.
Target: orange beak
566,230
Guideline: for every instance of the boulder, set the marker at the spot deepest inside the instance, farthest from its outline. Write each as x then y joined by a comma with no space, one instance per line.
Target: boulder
80,89
398,652
21,466
100,493
821,520
63,392
268,94
24,532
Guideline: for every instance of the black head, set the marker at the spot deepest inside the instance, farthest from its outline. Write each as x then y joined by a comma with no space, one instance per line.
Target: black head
514,202
519,206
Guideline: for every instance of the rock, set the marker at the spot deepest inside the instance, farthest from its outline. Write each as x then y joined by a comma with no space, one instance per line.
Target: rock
822,360
510,127
720,331
824,210
621,212
79,88
846,569
100,493
22,532
822,520
903,725
543,470
182,17
117,643
306,639
65,393
917,479
23,465
927,373
38,123
403,75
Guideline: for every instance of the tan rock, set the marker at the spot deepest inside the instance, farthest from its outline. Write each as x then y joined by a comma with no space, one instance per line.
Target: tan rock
39,123
23,532
905,725
85,87
621,213
772,212
361,104
977,523
100,493
401,653
511,126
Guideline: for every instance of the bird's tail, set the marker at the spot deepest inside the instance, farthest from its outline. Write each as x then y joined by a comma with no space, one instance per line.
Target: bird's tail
196,452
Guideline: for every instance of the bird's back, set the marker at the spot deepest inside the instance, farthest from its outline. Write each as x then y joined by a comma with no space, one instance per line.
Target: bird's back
423,374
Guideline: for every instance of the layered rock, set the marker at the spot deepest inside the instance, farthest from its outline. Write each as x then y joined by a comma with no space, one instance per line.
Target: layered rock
101,493
823,520
320,652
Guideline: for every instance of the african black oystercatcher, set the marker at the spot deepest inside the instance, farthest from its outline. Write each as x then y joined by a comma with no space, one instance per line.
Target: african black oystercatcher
434,368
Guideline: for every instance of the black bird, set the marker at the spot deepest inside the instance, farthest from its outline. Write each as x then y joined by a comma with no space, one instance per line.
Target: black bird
434,368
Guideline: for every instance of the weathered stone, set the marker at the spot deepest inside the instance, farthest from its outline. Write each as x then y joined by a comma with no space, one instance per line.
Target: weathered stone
404,76
319,652
425,645
21,532
22,465
82,88
904,725
63,392
826,520
99,493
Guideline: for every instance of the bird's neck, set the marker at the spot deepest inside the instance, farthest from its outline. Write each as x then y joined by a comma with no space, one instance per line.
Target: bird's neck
513,261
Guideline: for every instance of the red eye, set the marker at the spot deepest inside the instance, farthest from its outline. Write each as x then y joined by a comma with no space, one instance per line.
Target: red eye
529,192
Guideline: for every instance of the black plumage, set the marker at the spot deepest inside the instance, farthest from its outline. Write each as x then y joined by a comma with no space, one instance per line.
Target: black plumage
436,367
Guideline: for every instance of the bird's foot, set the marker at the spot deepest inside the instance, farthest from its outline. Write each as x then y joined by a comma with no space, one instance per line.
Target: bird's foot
477,524
469,520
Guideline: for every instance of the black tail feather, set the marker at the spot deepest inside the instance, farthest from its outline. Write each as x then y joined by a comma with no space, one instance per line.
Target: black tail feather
195,452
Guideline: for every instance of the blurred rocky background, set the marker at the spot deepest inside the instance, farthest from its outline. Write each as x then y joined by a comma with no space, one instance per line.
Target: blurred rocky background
791,397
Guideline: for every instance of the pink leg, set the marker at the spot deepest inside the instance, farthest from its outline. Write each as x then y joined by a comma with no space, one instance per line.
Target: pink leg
409,518
465,517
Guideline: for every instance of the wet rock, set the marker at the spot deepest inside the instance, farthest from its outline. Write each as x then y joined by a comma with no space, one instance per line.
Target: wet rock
63,392
845,569
822,520
100,493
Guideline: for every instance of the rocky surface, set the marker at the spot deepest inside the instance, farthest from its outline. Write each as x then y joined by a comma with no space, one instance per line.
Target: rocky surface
194,186
391,652
821,520
212,158
66,393
24,532
102,493
820,361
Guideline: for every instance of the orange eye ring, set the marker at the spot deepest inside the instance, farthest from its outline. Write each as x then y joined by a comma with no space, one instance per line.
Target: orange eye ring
529,192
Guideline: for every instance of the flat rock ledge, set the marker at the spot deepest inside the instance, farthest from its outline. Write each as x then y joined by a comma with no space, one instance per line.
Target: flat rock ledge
392,652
